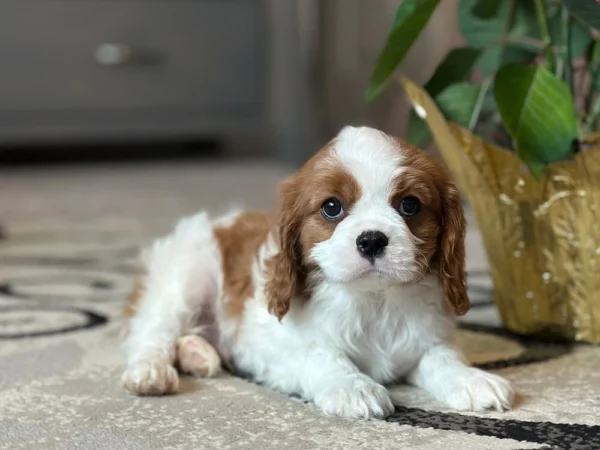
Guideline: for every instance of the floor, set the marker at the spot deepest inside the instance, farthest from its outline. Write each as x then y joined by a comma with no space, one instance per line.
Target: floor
68,248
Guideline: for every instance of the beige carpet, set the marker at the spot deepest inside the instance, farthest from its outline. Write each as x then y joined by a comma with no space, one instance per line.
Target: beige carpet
69,241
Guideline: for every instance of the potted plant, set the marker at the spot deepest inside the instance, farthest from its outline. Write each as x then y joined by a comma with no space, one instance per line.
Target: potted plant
514,114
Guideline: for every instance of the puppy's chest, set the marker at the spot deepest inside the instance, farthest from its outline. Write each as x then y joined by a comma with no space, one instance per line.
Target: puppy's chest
386,353
388,344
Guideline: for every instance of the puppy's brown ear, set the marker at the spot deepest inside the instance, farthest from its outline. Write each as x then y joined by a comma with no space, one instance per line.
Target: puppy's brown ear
285,266
451,257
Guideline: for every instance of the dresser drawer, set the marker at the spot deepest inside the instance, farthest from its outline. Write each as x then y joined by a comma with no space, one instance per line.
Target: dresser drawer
61,55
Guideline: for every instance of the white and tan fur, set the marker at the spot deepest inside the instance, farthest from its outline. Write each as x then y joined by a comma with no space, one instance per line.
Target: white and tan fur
289,300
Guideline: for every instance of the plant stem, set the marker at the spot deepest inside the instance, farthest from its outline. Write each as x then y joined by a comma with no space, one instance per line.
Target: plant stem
593,68
594,115
561,59
565,23
507,27
525,40
540,11
479,103
590,93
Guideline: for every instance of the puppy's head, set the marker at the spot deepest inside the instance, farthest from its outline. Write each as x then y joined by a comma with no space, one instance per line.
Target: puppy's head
369,211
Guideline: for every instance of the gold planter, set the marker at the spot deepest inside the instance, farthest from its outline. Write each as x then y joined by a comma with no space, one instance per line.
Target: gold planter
542,237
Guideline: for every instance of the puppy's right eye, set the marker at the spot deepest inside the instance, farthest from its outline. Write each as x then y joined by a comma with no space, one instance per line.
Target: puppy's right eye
332,209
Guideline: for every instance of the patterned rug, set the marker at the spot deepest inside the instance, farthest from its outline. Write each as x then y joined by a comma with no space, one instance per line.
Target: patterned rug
62,285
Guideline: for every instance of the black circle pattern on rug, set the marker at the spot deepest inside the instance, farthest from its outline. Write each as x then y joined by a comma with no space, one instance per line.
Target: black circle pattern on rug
40,296
33,320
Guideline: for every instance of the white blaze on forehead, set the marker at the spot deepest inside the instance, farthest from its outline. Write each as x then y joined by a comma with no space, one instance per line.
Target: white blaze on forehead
371,156
375,161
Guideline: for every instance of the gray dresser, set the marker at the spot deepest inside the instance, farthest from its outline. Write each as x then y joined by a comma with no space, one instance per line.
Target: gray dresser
102,70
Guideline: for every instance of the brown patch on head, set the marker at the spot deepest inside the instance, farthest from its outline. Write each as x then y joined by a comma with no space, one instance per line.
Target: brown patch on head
302,225
425,225
440,224
331,181
239,244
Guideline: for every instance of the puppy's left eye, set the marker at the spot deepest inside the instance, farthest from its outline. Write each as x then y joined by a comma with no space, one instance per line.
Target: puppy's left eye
409,206
332,209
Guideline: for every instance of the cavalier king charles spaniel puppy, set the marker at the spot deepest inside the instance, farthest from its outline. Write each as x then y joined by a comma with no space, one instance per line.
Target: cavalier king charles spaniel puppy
353,285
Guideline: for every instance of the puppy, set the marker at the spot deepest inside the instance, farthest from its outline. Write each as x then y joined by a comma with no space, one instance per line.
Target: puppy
355,284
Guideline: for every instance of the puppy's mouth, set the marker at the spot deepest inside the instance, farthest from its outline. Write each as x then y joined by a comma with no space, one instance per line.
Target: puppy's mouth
382,272
368,272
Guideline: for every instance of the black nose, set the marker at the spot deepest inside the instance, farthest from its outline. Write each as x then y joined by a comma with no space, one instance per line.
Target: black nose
371,244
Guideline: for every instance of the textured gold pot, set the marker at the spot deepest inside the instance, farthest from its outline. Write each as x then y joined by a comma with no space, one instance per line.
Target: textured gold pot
542,237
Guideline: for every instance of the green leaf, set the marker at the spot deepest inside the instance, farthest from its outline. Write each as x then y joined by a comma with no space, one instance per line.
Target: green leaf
515,18
478,31
537,110
580,39
525,20
411,18
485,9
587,11
580,34
594,58
457,66
595,53
458,101
418,131
489,102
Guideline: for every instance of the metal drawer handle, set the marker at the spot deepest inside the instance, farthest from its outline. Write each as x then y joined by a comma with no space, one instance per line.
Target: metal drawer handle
116,55
109,54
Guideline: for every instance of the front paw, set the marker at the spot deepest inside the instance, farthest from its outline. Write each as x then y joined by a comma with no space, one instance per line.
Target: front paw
357,397
150,378
476,390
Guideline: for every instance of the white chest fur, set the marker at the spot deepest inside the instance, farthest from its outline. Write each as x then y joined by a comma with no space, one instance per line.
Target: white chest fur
383,332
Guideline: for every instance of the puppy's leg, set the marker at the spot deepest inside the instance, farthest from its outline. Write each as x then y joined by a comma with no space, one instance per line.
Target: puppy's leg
325,376
195,356
442,372
182,275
